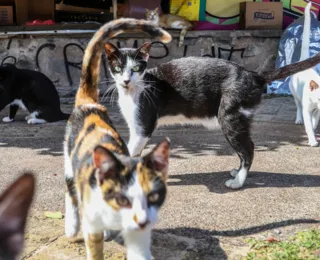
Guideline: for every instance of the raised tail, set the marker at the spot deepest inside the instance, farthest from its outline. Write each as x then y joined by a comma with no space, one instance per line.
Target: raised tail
291,69
306,33
88,91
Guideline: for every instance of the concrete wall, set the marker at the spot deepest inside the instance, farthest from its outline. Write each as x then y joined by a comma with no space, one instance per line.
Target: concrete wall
59,57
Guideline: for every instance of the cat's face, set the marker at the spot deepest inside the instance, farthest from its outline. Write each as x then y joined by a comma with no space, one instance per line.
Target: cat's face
315,93
133,188
127,66
152,15
14,207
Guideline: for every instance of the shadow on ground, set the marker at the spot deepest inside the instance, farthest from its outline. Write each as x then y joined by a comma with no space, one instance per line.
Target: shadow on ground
215,181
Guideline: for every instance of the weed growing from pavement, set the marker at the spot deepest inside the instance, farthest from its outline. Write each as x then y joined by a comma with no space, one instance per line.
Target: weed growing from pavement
303,245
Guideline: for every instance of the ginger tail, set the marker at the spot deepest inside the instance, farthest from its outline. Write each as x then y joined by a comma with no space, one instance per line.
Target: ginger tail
88,90
181,38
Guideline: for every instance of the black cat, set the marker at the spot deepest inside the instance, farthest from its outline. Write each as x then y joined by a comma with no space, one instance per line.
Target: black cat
31,91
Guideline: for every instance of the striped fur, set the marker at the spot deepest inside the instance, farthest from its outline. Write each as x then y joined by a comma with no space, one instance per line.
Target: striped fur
107,188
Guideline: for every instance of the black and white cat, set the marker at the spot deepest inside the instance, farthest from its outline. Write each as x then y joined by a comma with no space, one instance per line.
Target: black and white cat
31,91
192,90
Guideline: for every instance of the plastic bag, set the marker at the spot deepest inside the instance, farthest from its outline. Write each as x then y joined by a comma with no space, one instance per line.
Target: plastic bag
290,48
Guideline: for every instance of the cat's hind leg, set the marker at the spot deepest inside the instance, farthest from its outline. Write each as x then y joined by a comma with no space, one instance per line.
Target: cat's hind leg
72,222
299,117
236,128
315,119
33,119
307,116
181,38
12,113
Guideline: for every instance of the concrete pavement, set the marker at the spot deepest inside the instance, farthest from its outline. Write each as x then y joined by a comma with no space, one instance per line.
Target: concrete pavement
201,219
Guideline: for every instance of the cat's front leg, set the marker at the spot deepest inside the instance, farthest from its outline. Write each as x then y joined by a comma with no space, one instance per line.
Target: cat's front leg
94,245
136,142
307,116
12,113
138,244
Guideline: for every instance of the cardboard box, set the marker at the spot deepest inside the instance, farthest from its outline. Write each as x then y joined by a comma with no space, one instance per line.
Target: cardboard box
6,15
261,15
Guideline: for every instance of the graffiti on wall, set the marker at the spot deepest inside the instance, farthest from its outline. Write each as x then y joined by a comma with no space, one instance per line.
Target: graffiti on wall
224,15
67,62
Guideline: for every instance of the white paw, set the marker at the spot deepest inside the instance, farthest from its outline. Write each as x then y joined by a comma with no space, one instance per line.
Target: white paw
233,184
299,121
106,235
71,228
234,172
314,143
31,121
7,119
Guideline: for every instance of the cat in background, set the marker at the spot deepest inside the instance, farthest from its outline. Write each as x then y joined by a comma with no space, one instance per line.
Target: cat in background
169,21
105,186
14,207
304,87
31,91
192,90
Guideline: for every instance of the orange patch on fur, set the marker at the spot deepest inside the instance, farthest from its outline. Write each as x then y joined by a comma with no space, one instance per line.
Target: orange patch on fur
144,178
313,85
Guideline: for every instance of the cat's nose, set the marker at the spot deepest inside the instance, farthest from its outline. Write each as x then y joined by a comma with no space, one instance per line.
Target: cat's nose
126,82
142,225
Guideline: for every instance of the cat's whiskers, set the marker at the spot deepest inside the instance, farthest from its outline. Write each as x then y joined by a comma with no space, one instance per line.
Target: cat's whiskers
108,91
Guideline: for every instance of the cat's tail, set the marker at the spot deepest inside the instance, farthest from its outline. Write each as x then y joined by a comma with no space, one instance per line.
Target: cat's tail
88,91
306,33
291,69
182,34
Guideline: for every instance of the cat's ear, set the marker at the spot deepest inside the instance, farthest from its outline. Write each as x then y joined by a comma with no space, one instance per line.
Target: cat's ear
157,9
144,50
107,164
110,49
313,85
14,207
147,10
158,158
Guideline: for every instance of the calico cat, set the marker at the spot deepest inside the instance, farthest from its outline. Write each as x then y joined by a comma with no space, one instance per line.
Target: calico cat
304,87
192,90
31,91
107,187
169,21
14,207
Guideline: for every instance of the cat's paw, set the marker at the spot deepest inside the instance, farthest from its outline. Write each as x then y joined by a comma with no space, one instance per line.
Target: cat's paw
107,235
71,227
313,143
7,119
234,172
28,117
34,121
299,121
233,184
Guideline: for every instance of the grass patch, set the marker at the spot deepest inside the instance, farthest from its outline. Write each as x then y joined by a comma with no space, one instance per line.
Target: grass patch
303,245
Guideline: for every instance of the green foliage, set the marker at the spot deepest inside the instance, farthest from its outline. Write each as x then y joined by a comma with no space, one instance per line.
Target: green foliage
299,247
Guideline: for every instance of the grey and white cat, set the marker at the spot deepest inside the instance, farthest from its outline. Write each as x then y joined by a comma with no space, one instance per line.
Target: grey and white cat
192,90
304,87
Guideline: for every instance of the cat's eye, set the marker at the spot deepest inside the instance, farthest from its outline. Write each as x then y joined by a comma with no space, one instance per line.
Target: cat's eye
153,197
136,68
123,201
117,69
